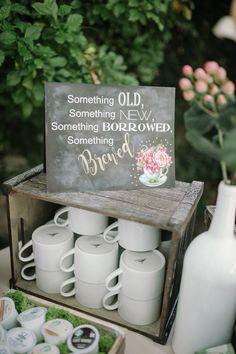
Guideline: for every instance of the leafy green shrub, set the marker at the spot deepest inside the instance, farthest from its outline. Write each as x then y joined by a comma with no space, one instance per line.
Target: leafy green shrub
96,41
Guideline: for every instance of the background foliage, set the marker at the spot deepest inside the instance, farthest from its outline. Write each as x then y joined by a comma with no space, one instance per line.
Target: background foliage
102,41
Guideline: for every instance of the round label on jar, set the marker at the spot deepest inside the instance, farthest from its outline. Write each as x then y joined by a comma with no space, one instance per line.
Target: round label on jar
58,327
32,314
45,348
20,340
83,338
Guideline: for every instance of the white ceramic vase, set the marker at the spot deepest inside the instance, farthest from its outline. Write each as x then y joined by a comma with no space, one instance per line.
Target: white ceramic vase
207,299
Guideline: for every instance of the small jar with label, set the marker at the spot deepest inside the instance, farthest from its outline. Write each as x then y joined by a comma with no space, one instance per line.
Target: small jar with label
4,349
20,340
33,319
56,331
8,313
45,348
84,340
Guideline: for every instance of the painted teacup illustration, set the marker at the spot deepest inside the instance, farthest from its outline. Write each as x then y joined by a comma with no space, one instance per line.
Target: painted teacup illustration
154,163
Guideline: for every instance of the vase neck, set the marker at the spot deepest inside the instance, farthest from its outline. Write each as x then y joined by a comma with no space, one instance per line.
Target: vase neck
223,220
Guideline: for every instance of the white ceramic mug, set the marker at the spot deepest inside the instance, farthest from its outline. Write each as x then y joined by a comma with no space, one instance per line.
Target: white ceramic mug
80,221
134,236
47,281
140,275
138,312
49,243
94,259
87,294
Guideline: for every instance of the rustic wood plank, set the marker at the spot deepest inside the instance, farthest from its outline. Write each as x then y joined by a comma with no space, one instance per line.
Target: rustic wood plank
160,207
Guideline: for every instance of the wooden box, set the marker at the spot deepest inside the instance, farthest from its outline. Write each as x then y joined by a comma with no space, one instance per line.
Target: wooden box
173,210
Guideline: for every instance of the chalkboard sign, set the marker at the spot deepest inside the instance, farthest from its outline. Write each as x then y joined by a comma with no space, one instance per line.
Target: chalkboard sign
101,137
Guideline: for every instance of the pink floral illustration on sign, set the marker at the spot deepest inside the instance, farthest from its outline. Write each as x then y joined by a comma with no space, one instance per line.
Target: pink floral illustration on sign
154,162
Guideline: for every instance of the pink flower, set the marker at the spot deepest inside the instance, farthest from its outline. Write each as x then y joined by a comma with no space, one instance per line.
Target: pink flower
188,95
187,70
200,74
185,84
201,86
221,74
214,89
221,100
162,159
228,87
208,99
211,67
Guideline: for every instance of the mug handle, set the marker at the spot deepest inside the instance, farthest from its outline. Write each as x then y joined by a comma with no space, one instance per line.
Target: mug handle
107,297
67,254
28,277
30,257
107,237
58,214
67,282
111,277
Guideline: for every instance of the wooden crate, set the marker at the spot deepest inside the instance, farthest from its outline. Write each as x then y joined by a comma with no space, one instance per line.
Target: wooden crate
173,210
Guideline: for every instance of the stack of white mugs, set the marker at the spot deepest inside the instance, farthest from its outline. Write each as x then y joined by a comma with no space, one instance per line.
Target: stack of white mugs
131,283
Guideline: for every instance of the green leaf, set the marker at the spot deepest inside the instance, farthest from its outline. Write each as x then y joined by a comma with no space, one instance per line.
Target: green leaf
13,78
38,91
44,51
19,96
78,55
2,57
74,22
4,12
24,52
64,10
227,119
33,32
229,151
119,9
20,9
39,63
58,61
28,83
203,145
7,37
27,109
196,119
48,8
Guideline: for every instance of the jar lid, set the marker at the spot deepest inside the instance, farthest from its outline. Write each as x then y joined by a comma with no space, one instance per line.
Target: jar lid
20,340
4,349
7,308
84,340
52,234
31,314
95,245
46,348
57,328
146,262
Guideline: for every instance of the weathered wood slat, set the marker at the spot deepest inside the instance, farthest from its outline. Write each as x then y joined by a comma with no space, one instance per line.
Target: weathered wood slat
161,207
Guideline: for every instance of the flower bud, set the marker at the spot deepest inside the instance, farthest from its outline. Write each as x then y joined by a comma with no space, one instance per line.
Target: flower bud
200,74
221,74
208,99
201,86
214,89
188,95
211,67
187,70
221,100
228,87
185,84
